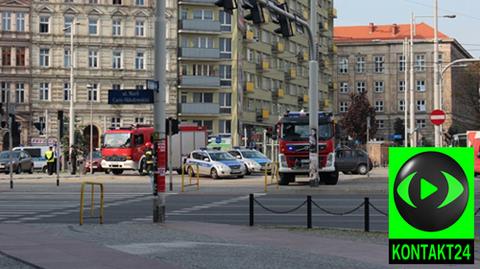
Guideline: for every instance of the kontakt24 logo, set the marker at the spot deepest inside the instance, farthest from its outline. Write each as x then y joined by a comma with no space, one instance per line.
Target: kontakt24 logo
431,205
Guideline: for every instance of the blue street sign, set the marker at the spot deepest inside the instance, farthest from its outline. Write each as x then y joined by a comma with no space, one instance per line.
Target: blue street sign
397,137
218,139
117,97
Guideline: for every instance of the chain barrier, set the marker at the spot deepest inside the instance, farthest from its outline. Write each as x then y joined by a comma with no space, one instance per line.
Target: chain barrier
280,212
338,214
378,210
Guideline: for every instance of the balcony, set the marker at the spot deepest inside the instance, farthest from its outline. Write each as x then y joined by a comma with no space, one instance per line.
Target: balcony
280,92
200,108
250,36
263,66
200,25
291,74
249,86
278,48
199,53
302,56
332,12
200,82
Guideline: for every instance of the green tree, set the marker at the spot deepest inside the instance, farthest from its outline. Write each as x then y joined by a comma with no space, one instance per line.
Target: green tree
399,129
354,122
79,141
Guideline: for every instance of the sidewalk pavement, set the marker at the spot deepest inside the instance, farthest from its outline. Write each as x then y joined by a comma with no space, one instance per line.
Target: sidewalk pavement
41,249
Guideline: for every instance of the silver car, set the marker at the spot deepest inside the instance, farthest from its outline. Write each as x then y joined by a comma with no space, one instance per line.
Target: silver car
22,162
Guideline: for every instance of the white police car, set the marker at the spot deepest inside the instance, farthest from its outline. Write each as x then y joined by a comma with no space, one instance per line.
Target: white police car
253,160
214,163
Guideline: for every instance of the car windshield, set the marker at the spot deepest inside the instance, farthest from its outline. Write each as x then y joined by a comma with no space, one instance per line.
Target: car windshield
252,154
117,140
5,155
221,156
300,132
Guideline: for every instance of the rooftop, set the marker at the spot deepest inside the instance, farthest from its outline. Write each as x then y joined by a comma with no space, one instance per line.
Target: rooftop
383,32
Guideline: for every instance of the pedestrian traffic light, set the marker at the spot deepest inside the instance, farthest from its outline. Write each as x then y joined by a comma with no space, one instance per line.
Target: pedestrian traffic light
256,11
60,123
285,24
228,5
173,127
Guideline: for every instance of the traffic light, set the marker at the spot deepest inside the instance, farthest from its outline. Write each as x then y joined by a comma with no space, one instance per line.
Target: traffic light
60,123
285,24
228,5
174,126
40,127
256,11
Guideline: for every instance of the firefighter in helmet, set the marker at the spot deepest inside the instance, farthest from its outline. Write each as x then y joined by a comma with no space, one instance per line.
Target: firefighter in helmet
148,157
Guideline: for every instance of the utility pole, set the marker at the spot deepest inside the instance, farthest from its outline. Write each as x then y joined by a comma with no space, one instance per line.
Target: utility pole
405,97
11,115
436,104
71,120
313,93
413,140
159,113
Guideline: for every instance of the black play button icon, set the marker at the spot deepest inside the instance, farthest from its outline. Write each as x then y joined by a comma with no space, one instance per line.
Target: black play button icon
431,191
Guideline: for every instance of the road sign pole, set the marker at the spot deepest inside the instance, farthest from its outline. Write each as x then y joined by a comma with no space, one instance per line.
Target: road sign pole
10,137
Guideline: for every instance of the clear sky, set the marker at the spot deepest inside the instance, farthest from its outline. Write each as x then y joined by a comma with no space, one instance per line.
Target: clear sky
465,27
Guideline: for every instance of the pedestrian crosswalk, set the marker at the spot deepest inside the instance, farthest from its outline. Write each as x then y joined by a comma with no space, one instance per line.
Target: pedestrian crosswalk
31,207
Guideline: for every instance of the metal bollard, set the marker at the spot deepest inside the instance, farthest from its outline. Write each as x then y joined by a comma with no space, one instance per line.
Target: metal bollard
251,208
309,212
183,177
366,214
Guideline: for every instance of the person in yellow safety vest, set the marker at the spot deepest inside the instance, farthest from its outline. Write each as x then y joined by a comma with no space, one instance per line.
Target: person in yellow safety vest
149,157
50,156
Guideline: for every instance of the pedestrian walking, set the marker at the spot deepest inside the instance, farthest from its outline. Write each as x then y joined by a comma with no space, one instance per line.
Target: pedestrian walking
50,156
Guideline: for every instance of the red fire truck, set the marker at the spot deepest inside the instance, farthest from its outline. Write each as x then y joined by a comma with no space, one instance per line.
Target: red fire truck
124,148
473,140
293,140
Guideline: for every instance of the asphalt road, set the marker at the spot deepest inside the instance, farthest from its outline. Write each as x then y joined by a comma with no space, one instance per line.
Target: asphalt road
36,199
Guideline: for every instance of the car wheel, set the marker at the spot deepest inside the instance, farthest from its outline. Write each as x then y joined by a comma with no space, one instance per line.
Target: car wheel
241,176
117,172
214,173
19,169
285,179
247,172
107,171
329,178
31,170
362,169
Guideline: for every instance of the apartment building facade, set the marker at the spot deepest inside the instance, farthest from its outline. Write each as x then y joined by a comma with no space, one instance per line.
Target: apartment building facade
371,58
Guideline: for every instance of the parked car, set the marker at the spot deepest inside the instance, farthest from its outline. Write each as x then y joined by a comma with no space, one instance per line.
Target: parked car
214,163
38,156
96,160
253,160
352,161
22,162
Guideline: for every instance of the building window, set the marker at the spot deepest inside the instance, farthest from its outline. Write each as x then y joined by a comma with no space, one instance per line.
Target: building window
117,27
139,120
93,1
401,105
44,91
379,62
4,90
44,24
20,56
20,22
6,56
117,2
204,42
421,124
140,28
343,107
360,64
67,24
67,57
344,87
203,97
44,57
66,91
117,59
379,106
225,100
343,65
225,75
139,60
115,123
421,85
92,26
92,58
204,70
139,87
205,123
139,2
380,124
401,63
401,85
225,21
116,87
93,92
224,126
203,14
379,86
20,93
420,62
421,106
361,86
225,48
6,21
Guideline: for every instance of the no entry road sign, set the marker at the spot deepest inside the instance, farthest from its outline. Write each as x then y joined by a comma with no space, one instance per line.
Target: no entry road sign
438,117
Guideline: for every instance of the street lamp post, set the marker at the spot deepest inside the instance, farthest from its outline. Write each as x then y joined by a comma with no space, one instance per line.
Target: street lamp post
90,88
71,113
435,70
